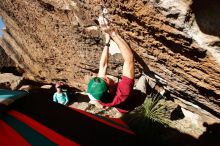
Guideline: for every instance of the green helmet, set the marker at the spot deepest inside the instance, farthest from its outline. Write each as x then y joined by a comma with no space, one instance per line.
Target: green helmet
97,88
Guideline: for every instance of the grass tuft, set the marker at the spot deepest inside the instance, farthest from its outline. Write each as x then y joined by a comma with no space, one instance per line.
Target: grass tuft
151,117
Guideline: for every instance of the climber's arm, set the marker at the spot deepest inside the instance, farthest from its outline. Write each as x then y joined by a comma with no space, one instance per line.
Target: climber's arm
104,58
128,67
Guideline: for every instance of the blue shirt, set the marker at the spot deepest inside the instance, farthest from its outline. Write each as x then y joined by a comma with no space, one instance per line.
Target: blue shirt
61,98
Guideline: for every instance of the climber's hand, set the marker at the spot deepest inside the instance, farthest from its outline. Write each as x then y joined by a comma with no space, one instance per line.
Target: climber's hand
103,22
112,32
105,28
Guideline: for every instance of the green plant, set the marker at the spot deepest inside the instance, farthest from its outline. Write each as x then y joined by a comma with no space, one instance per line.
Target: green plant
151,117
155,109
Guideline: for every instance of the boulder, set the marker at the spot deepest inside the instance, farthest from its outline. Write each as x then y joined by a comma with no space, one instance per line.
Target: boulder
10,81
46,86
26,87
91,108
174,40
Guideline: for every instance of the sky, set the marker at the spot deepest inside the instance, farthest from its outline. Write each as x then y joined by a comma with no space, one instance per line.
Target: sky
1,26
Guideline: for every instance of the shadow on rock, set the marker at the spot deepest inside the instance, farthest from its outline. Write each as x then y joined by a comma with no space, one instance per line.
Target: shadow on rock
207,15
211,136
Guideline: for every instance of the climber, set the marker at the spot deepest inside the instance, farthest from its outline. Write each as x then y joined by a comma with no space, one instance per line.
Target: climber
103,86
104,92
61,95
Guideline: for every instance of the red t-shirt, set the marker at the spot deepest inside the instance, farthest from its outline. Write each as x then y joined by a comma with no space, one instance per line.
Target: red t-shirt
124,90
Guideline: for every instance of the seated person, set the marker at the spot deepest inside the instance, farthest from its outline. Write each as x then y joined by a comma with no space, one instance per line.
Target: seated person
60,96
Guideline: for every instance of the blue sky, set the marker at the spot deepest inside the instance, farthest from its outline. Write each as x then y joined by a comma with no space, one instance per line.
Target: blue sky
1,26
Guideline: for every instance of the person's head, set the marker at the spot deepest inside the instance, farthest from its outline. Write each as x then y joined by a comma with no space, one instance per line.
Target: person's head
97,88
59,86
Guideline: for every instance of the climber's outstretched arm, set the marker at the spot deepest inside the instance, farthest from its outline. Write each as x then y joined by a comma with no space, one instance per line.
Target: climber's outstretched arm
104,58
128,67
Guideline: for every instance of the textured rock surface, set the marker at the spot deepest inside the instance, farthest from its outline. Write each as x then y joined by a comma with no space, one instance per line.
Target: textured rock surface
85,106
50,41
10,81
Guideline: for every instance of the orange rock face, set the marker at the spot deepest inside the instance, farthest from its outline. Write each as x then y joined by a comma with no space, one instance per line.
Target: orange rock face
60,40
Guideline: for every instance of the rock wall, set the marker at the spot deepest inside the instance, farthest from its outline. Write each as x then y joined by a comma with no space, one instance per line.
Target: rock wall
60,40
